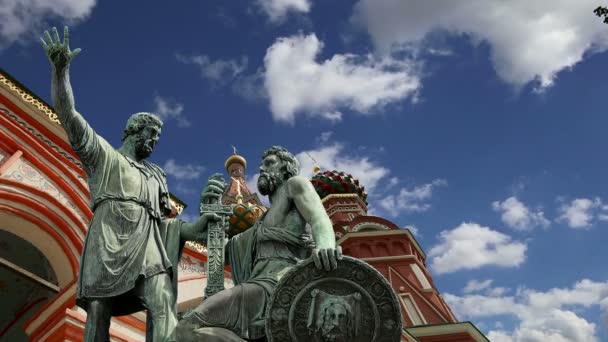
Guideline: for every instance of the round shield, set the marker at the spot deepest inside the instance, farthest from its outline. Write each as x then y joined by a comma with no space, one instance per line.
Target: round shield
353,303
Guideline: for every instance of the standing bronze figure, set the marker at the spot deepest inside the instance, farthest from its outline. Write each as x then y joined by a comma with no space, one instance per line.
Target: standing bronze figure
131,250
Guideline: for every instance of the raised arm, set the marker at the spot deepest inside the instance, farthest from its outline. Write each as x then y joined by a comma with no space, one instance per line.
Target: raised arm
310,207
83,139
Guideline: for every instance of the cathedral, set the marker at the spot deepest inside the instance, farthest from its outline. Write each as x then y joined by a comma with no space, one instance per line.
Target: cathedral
44,213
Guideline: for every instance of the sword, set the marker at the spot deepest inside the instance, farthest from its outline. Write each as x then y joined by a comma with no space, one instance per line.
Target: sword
216,234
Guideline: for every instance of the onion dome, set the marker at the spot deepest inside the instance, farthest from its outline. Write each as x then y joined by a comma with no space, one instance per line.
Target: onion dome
335,182
246,206
244,216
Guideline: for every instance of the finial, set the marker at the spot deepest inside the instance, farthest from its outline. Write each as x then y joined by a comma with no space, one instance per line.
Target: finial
233,149
316,168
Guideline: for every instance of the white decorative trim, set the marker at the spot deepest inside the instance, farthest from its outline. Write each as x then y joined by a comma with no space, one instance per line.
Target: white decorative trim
449,328
414,289
426,285
374,225
44,315
402,297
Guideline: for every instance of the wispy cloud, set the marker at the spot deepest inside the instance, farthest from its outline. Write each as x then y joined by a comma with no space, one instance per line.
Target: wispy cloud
472,246
183,171
411,199
277,10
516,215
219,71
170,110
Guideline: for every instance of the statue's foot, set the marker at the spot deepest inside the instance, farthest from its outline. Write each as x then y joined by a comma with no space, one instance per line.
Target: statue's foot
216,335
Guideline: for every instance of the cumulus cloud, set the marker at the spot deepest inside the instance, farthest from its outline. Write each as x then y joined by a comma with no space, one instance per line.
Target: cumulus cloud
471,246
20,18
218,71
528,40
541,315
516,215
297,83
581,212
169,110
277,10
411,200
183,171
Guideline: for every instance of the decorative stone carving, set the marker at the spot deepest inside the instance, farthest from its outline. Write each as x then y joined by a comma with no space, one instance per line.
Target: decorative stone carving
353,303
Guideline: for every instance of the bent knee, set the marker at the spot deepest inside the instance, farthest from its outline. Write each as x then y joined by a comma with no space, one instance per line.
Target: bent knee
185,331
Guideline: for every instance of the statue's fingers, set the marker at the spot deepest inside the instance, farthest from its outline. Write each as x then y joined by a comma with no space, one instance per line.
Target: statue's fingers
325,259
339,253
48,37
75,53
56,36
215,189
216,183
46,47
315,258
66,36
331,255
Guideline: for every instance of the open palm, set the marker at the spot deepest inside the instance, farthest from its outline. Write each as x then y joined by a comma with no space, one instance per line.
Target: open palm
58,52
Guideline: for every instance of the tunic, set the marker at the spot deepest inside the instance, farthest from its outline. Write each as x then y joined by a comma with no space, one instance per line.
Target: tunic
124,241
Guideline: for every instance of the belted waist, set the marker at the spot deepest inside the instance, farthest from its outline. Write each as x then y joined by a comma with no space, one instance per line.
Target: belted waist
145,204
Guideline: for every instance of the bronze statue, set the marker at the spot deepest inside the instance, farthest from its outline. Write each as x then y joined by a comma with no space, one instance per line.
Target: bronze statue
131,251
260,256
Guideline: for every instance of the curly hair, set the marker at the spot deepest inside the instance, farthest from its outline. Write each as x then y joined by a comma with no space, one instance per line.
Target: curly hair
291,167
139,121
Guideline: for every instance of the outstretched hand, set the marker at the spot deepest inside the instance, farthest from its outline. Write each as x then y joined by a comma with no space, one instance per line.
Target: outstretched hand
58,52
327,258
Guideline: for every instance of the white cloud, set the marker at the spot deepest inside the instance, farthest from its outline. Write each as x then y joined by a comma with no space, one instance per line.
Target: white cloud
277,10
183,171
477,285
542,316
516,215
169,110
333,156
528,40
471,246
219,71
580,212
20,18
297,83
411,200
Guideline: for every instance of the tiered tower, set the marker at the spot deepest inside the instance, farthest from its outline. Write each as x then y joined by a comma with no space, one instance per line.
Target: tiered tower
396,254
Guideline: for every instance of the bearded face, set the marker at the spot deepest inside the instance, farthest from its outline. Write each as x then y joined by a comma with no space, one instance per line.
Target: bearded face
145,141
270,175
335,323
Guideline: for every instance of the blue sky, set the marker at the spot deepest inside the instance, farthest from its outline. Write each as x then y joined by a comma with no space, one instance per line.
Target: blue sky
479,123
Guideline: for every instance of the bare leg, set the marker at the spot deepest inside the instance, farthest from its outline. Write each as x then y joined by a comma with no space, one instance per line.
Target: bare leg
97,328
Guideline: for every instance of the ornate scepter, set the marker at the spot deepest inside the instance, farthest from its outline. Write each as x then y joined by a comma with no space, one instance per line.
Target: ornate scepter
216,233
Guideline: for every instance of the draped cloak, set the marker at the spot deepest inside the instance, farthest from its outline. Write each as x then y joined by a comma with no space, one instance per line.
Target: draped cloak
127,238
258,258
